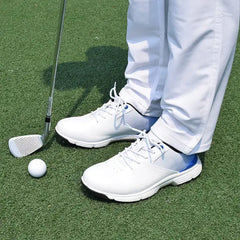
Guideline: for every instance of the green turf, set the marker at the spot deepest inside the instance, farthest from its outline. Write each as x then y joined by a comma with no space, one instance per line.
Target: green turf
93,56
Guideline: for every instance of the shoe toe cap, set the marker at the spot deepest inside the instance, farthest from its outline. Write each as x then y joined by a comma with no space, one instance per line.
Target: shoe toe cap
64,127
95,179
71,127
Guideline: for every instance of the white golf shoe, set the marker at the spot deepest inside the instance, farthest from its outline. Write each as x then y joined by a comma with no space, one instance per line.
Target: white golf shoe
106,124
141,170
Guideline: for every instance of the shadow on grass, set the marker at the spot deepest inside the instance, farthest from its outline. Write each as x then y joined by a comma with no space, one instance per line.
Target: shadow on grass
202,158
94,195
104,66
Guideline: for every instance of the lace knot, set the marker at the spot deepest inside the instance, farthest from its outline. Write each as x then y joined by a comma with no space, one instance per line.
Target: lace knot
114,106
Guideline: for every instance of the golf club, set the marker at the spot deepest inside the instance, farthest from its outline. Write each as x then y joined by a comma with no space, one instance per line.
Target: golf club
24,145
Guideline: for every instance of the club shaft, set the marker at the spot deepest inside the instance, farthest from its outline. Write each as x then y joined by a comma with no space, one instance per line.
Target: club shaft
54,70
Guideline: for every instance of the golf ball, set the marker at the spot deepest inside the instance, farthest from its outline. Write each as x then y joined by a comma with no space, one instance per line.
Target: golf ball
37,168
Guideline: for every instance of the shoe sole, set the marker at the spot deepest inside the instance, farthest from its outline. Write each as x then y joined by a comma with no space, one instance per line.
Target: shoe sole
175,179
98,144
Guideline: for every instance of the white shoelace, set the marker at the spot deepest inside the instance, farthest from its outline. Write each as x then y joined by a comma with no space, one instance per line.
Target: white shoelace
112,107
135,153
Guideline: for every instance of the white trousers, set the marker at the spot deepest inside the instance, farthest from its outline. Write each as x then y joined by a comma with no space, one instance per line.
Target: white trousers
179,61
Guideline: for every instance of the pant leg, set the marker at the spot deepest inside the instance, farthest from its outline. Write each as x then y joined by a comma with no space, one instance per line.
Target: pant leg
148,55
202,36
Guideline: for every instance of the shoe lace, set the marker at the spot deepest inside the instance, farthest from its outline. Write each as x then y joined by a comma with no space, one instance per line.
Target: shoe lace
115,105
134,154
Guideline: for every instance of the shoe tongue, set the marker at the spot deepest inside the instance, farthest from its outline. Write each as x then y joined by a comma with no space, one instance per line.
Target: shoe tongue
153,137
111,106
142,143
141,149
141,146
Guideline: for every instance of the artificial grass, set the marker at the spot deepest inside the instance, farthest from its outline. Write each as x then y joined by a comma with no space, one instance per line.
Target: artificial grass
93,56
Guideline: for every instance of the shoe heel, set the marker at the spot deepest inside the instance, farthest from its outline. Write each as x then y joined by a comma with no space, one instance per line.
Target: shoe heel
188,175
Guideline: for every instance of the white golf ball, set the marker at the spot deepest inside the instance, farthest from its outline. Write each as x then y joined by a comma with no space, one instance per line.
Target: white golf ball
37,168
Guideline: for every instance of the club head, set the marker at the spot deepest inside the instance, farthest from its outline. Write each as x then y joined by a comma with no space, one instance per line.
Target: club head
25,145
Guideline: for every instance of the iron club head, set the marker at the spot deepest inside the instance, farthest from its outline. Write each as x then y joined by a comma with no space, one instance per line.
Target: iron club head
22,146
